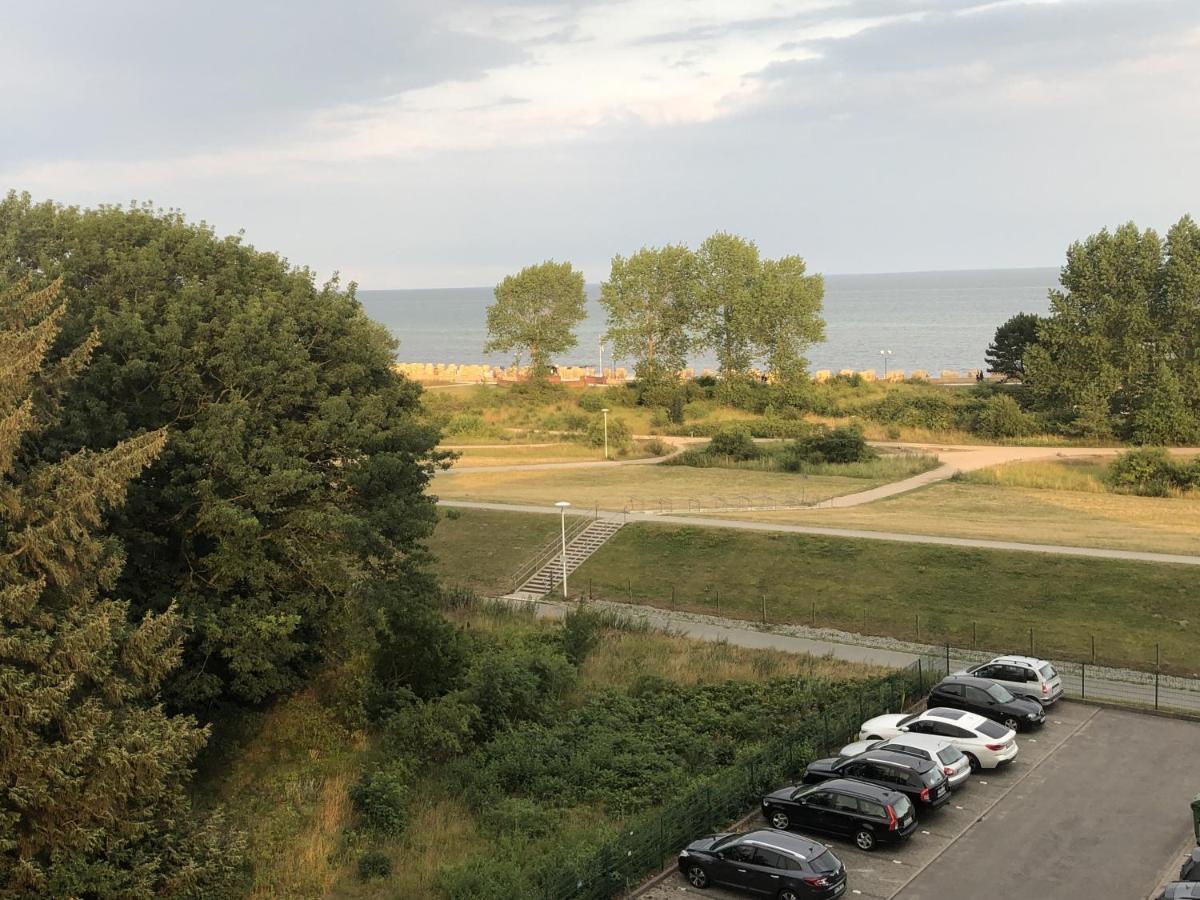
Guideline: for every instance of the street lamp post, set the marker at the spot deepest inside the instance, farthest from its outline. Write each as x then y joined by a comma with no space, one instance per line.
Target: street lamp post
885,354
562,508
605,411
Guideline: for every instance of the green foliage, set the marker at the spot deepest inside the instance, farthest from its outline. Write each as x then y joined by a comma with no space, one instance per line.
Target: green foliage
1149,472
735,442
488,877
93,771
1118,354
650,301
1006,354
657,447
517,682
580,634
432,730
1001,417
619,435
787,316
837,445
915,409
537,311
374,864
593,401
727,268
296,461
381,797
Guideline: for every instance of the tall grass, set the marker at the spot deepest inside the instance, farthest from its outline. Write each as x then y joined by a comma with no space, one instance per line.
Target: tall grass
1085,475
884,468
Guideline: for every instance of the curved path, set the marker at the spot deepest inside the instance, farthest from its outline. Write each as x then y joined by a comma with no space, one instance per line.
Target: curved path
900,537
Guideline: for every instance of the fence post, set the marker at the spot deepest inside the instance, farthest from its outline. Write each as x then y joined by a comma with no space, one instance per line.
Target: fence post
662,844
764,604
920,675
591,596
1157,670
865,608
1093,649
672,598
814,625
1083,681
718,593
974,635
918,628
629,588
947,659
1031,641
825,721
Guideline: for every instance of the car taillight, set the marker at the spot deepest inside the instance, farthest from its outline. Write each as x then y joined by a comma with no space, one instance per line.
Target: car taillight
816,882
1045,688
947,771
924,795
995,747
892,823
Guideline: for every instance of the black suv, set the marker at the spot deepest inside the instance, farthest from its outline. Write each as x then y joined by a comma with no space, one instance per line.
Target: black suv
918,779
866,812
988,699
781,865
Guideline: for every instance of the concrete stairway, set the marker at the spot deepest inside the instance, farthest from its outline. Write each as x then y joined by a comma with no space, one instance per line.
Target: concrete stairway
579,548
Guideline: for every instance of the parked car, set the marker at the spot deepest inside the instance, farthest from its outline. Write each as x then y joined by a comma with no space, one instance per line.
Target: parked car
1025,676
985,744
921,780
781,865
1181,890
990,699
938,750
1190,870
868,813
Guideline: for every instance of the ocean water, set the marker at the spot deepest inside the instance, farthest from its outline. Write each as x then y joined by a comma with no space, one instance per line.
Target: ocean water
929,320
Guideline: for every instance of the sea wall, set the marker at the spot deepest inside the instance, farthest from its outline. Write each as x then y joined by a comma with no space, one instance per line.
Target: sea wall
471,373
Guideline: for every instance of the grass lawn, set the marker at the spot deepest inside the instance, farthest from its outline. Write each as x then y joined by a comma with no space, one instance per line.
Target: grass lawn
1032,515
643,485
481,548
878,587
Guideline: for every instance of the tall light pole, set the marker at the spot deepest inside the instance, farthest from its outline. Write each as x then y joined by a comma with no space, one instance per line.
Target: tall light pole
605,411
562,508
885,354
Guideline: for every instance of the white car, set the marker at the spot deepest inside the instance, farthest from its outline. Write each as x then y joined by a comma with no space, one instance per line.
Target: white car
985,744
1025,676
938,750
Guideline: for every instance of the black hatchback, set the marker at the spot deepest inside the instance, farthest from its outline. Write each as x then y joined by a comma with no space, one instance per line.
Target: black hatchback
917,778
867,813
988,699
780,865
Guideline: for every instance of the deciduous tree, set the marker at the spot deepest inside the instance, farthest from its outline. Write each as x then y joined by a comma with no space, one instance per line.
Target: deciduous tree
786,305
650,301
727,267
537,311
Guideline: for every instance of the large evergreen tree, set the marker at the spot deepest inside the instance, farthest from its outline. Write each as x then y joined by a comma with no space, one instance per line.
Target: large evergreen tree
1006,353
296,460
92,770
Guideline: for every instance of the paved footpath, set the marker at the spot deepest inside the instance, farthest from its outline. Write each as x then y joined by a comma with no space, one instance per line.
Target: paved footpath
900,537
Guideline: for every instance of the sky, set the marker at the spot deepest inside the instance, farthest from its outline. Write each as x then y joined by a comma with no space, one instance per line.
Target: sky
428,144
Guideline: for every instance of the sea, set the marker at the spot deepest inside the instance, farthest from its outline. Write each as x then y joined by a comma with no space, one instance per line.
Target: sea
919,320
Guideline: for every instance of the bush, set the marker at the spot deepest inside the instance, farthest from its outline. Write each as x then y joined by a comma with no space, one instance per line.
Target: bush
657,447
735,442
381,798
464,423
619,435
517,683
1001,417
837,445
926,409
593,400
1148,472
580,634
491,876
434,730
374,864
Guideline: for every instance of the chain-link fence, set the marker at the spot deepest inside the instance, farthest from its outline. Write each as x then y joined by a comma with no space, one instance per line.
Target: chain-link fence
648,843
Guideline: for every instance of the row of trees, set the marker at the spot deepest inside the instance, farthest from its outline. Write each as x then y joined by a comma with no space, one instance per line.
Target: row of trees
1119,353
262,492
664,303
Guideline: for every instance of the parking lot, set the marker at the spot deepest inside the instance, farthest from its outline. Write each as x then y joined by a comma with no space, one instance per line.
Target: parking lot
1095,805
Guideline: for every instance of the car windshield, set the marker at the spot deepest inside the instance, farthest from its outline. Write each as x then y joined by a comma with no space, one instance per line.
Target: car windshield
991,729
949,756
901,807
1047,671
999,693
725,841
825,863
907,719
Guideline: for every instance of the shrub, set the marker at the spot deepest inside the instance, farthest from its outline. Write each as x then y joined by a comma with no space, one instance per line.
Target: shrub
434,730
1148,472
491,876
381,798
465,423
676,408
735,442
926,409
518,683
837,445
580,634
657,447
1001,417
374,864
773,427
619,435
593,400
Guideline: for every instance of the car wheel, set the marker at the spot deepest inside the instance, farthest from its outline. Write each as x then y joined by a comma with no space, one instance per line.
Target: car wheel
697,876
1010,722
874,737
865,839
780,820
975,766
788,894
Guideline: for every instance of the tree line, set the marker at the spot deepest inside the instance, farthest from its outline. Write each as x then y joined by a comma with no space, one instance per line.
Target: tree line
664,303
1118,356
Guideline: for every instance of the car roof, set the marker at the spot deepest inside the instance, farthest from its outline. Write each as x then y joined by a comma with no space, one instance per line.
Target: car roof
957,716
860,789
932,742
900,759
794,845
974,680
1031,661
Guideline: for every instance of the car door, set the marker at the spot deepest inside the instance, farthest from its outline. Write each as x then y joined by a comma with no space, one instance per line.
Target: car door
818,811
843,818
951,695
767,870
734,866
978,701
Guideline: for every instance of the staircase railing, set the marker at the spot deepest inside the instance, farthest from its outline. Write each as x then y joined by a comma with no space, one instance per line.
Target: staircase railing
550,551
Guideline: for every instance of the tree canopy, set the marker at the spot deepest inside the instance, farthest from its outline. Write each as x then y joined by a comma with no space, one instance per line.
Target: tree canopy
93,772
1006,353
1120,353
537,310
296,461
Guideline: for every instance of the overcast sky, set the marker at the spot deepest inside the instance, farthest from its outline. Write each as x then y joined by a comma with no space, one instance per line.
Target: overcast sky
415,144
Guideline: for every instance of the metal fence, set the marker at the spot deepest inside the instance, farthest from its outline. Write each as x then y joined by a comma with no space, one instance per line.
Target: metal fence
647,843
